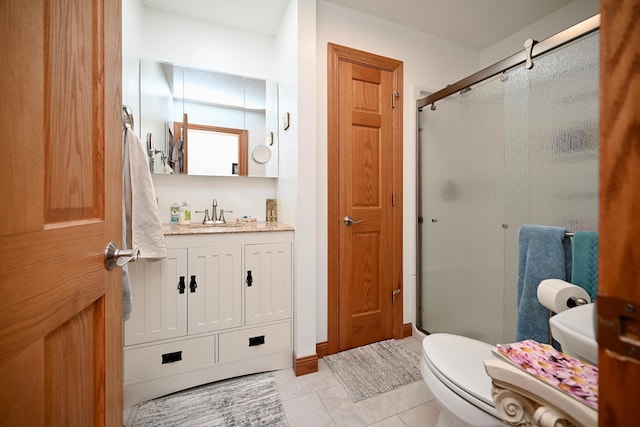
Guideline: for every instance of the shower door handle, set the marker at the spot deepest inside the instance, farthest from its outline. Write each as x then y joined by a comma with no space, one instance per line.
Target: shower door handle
348,221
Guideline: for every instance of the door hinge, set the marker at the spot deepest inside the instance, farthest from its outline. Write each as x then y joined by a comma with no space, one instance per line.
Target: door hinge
394,96
619,326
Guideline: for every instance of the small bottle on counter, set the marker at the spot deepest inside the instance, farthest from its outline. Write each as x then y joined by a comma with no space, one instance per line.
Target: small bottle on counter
184,214
175,212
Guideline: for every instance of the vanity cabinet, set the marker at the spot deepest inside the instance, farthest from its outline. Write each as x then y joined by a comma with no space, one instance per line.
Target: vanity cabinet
219,306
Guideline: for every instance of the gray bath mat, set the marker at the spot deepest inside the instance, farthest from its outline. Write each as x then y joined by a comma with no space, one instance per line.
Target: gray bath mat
374,369
246,401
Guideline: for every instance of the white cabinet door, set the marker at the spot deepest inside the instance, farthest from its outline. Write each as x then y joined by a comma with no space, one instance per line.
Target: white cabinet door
267,282
215,294
159,308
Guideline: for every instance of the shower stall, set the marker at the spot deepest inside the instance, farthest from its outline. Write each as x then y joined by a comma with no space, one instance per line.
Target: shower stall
516,143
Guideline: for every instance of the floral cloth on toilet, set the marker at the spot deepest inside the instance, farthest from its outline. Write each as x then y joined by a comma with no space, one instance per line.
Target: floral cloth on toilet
568,374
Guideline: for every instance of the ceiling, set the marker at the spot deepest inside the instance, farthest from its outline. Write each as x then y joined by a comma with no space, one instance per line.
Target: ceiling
475,23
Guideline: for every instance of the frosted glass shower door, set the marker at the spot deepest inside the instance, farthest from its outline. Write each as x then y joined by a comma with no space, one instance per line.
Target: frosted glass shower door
521,148
462,206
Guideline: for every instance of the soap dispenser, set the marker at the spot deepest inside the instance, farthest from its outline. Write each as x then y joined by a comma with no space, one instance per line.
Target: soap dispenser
175,210
184,215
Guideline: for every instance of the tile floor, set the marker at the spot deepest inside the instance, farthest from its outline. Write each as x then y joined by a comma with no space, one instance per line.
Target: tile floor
318,400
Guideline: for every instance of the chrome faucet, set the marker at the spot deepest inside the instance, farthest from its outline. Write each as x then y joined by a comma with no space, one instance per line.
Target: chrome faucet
207,219
215,212
221,218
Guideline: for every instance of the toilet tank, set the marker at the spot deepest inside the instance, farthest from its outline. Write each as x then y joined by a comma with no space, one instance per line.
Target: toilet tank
574,329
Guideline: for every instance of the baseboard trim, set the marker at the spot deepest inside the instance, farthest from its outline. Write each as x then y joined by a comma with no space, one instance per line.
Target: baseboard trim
407,330
305,365
322,349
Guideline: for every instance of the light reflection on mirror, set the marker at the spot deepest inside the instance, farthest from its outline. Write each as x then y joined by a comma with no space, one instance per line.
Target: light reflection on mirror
174,97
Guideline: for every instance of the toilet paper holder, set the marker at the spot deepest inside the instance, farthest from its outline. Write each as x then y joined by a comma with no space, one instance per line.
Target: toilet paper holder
558,295
576,301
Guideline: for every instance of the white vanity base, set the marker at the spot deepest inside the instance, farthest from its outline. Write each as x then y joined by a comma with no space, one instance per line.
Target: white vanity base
141,391
219,306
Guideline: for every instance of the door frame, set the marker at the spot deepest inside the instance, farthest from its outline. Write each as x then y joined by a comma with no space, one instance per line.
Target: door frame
335,54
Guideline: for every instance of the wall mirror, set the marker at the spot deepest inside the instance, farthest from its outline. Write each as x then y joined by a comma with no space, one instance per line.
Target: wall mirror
199,122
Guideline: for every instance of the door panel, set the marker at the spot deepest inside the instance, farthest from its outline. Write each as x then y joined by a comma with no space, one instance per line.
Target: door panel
216,302
61,311
161,310
619,231
268,298
365,149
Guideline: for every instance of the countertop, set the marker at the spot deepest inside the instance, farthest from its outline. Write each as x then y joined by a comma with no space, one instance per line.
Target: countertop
230,227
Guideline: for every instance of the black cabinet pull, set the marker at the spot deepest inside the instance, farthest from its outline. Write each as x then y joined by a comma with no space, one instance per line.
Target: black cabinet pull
181,285
192,284
171,357
249,278
253,341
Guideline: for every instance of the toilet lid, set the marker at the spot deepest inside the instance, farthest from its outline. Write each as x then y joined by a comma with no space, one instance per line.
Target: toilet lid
458,362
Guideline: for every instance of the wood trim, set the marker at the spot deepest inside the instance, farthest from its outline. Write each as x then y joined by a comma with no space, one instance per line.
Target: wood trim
333,206
305,365
243,142
619,208
322,349
407,330
337,53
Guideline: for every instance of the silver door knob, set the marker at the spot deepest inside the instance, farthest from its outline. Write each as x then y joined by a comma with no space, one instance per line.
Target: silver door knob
114,257
348,221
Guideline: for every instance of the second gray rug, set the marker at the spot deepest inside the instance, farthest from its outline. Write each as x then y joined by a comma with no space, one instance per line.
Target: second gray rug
374,369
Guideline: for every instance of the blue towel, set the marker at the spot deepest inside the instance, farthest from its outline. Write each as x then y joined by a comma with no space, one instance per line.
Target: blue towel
584,272
544,253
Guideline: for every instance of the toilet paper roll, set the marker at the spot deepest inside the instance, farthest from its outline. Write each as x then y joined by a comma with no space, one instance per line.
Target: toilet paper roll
555,294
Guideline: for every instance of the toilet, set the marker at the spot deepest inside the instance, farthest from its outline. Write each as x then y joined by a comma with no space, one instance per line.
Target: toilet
452,366
454,370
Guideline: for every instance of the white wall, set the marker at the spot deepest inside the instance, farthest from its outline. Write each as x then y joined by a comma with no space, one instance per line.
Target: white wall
430,63
297,183
565,17
132,21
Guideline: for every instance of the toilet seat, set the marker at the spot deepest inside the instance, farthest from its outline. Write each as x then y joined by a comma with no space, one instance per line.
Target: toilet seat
458,362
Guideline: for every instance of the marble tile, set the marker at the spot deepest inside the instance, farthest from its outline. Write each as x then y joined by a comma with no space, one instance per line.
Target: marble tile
393,402
290,386
307,411
129,413
390,422
375,409
425,415
412,343
342,410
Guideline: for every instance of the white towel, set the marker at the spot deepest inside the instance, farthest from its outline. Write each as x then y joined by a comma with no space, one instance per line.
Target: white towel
141,224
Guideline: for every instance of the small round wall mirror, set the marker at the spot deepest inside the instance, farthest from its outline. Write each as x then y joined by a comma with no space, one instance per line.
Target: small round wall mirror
261,154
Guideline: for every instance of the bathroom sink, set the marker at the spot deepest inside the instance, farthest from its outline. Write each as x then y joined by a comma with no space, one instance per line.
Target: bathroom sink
574,329
214,225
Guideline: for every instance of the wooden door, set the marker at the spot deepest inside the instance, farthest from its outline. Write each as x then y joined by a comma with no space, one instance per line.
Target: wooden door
61,180
365,185
619,234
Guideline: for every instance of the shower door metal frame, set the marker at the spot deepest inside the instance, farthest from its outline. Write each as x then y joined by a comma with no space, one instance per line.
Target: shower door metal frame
570,34
575,32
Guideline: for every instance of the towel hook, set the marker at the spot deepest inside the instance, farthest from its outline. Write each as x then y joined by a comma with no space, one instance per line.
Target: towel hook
127,117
